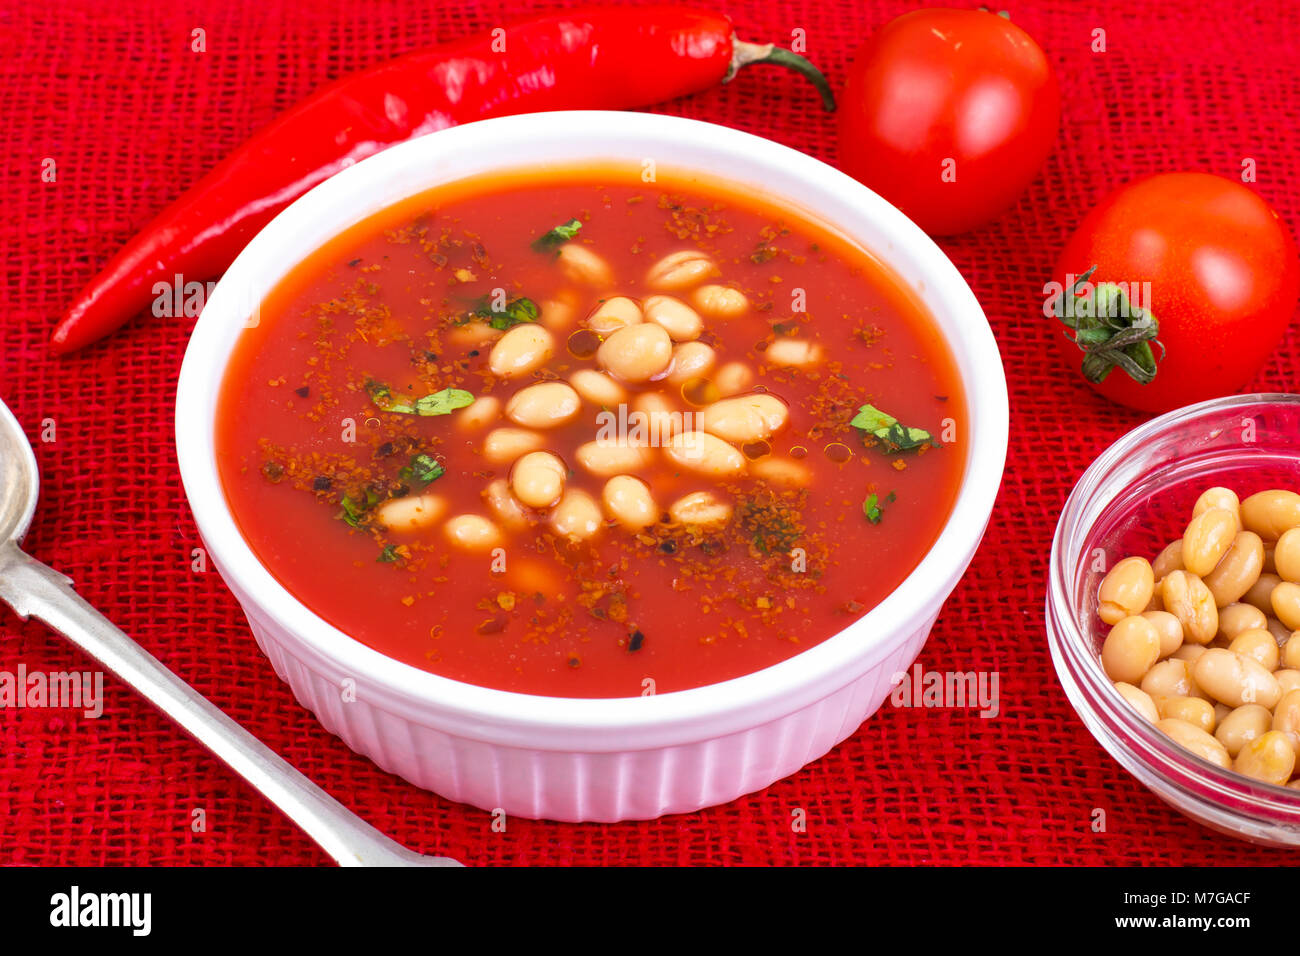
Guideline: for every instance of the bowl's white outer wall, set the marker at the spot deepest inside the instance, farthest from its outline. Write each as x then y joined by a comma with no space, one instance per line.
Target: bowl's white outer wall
562,758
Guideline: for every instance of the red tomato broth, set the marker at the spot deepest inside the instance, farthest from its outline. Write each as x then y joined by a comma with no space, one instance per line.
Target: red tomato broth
443,610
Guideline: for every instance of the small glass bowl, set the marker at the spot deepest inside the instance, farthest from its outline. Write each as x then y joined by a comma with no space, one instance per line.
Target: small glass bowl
1134,499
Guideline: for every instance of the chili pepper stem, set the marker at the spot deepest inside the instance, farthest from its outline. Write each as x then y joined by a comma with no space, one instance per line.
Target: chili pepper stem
744,53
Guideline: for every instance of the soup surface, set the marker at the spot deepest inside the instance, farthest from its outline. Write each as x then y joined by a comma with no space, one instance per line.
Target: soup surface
571,433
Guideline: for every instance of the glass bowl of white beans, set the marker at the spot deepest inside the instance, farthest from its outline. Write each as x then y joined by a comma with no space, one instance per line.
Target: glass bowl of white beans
1136,500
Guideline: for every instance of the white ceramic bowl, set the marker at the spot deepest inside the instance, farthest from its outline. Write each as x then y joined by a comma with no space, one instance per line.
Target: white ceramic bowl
593,759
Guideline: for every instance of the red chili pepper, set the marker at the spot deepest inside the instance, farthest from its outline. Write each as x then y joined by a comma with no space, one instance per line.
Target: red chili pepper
593,59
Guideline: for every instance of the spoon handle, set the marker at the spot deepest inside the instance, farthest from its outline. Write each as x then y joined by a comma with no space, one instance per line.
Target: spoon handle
34,590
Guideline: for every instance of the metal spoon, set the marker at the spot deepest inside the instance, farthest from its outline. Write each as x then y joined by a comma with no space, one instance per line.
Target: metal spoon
35,590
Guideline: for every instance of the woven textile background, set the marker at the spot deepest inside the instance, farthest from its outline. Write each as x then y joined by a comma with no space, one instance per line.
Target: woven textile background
131,117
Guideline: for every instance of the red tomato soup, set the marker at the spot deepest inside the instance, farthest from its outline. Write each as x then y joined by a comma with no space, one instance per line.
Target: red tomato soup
567,433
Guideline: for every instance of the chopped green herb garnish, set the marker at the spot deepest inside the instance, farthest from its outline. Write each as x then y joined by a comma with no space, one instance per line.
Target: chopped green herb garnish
887,429
388,555
379,393
557,236
439,403
515,311
423,469
873,507
354,510
444,402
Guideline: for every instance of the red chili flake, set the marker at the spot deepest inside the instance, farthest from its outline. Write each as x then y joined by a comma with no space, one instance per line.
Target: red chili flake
637,639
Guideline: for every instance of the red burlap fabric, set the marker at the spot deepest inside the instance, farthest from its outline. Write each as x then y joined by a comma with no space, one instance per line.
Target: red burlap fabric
113,94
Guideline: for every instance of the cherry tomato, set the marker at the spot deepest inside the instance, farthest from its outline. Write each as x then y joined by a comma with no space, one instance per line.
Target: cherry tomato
948,114
1205,258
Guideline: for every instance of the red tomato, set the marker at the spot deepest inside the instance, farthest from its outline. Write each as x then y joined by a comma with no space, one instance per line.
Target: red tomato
1223,282
948,114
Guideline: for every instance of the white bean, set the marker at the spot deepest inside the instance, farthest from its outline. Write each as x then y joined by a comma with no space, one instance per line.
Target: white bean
598,388
1196,740
472,532
523,349
1272,513
483,411
681,270
793,352
781,471
580,264
614,314
557,314
691,360
1139,699
544,405
705,454
679,320
506,444
538,478
472,334
701,508
658,416
607,459
577,515
629,502
720,301
410,513
1235,679
503,505
745,418
733,378
637,353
